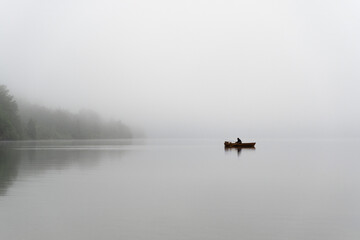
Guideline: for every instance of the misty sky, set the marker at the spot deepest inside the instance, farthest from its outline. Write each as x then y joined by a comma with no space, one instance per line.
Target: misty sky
190,68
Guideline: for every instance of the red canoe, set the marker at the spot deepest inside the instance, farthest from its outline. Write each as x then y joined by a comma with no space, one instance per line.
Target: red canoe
240,145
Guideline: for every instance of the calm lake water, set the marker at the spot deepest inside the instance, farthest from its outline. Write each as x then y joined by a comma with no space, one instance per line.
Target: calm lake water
179,189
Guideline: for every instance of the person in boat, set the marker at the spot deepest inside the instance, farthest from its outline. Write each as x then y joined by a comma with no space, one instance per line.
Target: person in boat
238,140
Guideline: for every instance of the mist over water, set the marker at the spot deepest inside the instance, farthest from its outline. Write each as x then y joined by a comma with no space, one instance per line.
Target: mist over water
192,68
187,75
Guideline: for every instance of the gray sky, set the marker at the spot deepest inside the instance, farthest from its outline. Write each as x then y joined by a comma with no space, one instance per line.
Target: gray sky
190,68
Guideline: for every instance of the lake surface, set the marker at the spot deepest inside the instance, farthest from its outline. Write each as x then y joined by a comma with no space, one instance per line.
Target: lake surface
179,189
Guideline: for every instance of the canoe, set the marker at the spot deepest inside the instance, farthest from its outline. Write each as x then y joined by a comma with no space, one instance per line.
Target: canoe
239,145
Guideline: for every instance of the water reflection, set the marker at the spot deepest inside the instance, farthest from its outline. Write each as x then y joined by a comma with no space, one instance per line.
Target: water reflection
182,190
28,158
9,162
238,150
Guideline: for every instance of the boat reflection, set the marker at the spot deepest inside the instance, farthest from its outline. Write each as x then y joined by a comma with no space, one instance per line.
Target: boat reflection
238,150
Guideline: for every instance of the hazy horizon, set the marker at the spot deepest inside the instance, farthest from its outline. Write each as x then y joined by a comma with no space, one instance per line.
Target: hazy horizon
190,68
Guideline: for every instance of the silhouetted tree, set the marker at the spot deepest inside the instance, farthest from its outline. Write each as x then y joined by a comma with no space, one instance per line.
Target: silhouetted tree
62,124
10,126
31,129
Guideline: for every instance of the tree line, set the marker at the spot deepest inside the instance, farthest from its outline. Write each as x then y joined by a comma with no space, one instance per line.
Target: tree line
26,121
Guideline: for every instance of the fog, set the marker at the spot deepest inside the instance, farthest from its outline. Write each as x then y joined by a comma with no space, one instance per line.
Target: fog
190,68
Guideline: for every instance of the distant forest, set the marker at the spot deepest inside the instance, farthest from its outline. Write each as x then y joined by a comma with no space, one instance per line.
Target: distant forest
25,121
